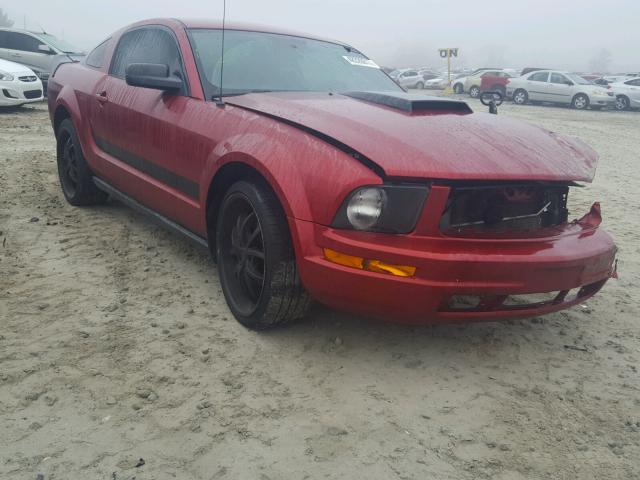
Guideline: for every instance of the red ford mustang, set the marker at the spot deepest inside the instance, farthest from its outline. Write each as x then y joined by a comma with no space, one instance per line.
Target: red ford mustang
309,173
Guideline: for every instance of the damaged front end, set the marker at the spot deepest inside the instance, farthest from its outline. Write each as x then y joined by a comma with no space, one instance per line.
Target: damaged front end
491,209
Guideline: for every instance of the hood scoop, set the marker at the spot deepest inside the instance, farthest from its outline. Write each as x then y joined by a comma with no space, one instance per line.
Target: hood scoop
412,103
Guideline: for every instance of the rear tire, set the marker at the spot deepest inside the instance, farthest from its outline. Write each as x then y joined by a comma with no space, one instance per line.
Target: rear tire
76,178
458,88
420,86
474,91
580,102
622,103
256,259
520,97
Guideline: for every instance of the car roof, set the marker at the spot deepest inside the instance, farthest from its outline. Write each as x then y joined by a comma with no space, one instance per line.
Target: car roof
191,23
20,30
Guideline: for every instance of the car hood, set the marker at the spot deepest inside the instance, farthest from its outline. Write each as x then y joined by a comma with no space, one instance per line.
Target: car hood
14,68
432,144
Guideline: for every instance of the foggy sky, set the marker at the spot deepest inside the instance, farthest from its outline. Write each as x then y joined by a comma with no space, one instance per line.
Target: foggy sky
516,33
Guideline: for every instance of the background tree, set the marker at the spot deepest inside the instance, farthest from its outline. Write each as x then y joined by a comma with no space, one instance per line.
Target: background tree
5,21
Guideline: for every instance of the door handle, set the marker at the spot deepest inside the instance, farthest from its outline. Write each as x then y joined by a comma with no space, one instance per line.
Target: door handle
102,97
16,55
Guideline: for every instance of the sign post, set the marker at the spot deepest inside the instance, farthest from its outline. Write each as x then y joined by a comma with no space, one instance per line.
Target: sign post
448,53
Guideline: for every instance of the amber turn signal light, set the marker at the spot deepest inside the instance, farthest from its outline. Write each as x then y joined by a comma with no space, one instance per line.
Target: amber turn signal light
370,265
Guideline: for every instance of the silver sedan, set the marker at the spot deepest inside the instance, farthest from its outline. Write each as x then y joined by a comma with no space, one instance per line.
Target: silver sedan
552,86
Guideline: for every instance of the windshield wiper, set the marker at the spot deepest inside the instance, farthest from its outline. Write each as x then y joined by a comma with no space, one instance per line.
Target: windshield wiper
243,92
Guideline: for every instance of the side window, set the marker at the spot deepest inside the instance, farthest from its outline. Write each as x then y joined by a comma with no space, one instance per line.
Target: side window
23,42
539,76
634,83
4,39
147,45
96,58
558,78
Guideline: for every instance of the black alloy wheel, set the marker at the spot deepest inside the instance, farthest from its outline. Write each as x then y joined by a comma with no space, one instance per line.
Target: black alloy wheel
243,254
69,167
76,178
256,259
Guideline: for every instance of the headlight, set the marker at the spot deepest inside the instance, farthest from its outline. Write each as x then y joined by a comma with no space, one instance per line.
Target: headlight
602,92
382,208
365,207
5,76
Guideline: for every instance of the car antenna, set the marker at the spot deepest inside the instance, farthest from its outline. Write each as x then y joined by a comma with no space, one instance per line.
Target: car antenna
220,100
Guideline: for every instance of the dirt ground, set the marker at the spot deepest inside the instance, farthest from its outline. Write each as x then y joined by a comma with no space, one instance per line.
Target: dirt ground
119,358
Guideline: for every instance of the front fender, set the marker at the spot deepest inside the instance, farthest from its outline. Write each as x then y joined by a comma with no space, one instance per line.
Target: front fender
310,177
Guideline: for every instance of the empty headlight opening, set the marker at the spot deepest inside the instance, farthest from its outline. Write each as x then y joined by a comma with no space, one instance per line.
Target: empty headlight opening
518,207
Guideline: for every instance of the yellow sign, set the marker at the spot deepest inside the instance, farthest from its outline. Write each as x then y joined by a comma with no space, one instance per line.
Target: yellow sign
448,53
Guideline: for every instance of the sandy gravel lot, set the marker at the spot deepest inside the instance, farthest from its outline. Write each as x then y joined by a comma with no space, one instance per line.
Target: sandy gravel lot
120,360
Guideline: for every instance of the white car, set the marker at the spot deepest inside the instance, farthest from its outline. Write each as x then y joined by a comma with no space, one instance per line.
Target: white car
408,78
627,93
439,83
18,85
552,86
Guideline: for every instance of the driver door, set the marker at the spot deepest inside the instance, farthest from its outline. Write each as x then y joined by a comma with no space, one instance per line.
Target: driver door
559,90
142,133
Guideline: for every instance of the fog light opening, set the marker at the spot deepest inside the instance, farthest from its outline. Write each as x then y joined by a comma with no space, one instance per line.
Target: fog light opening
360,263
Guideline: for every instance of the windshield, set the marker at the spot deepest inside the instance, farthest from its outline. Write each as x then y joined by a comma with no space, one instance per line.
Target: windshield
255,61
577,79
59,44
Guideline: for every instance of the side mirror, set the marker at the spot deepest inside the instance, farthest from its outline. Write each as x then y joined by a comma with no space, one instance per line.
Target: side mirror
568,82
152,75
45,49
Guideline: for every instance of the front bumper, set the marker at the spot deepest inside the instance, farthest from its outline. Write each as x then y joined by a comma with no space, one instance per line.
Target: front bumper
18,92
573,263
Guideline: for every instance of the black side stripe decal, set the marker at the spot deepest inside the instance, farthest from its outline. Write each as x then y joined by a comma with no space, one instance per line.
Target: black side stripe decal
182,184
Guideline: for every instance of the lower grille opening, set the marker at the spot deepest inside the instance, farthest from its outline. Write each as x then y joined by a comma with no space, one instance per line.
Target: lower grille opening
497,209
515,302
530,299
33,94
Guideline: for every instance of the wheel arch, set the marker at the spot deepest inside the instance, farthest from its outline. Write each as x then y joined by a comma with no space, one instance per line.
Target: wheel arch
61,113
233,169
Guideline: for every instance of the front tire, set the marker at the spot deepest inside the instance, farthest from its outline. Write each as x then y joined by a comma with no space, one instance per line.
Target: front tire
256,260
474,91
76,178
420,86
520,97
458,88
580,102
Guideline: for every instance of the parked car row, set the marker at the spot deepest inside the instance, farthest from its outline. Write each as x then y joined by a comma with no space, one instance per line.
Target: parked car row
554,86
